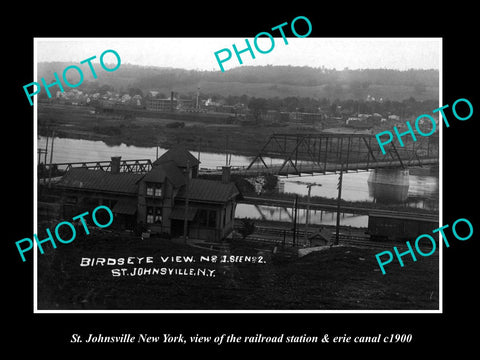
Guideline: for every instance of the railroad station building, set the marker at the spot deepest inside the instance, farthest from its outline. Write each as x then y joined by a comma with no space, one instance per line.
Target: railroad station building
158,200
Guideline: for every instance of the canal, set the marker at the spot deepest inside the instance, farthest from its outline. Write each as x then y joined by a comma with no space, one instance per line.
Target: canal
423,189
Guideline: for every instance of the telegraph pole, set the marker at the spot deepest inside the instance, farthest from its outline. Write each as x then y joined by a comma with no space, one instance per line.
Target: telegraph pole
51,159
339,187
295,220
187,191
226,151
46,151
307,216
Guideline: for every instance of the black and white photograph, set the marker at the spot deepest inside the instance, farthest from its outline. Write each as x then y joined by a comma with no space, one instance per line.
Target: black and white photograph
258,186
214,179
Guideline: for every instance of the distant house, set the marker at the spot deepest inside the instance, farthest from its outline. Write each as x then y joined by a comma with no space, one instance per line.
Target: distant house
157,200
168,105
352,119
162,105
362,122
272,115
306,118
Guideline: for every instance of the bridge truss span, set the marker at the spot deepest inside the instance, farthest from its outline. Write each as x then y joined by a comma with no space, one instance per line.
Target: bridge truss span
330,152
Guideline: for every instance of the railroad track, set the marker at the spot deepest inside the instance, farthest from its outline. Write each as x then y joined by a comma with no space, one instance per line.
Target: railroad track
332,207
275,235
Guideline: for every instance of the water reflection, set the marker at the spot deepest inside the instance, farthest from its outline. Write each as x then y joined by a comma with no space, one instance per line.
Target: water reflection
284,214
77,150
423,191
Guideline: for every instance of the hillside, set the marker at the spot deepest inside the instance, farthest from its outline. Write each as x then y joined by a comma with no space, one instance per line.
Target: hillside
262,81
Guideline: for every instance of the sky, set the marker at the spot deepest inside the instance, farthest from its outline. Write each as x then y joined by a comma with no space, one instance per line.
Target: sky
198,53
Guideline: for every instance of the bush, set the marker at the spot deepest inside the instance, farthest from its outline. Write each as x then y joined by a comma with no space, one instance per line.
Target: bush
271,182
248,227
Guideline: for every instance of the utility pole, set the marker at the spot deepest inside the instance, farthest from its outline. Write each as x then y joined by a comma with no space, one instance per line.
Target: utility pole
40,152
226,151
339,187
46,151
51,159
295,220
198,95
307,216
187,191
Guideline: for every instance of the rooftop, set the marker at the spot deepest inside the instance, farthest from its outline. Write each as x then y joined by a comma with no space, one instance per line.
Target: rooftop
179,155
100,180
203,190
166,170
200,190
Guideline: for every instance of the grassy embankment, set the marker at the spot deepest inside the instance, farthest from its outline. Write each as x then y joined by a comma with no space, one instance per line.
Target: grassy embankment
148,129
337,278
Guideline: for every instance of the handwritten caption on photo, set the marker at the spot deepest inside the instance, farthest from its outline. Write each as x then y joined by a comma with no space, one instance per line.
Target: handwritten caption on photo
145,266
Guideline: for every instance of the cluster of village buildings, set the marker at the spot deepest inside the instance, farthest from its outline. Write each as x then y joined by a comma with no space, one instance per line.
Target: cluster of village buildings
111,100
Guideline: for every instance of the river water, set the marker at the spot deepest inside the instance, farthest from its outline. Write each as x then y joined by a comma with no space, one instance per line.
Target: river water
423,191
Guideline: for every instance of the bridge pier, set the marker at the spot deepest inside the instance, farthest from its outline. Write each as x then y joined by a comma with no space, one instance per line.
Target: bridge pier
389,185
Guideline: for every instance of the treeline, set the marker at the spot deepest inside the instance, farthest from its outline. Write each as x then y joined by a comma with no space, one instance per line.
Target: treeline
356,82
283,75
337,107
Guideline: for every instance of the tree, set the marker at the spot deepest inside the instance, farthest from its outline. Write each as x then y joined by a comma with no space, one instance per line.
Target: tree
291,103
104,89
271,182
258,106
248,227
135,91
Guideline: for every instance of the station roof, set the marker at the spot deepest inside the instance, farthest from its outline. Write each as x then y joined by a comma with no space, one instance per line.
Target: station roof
203,190
125,206
180,156
166,167
100,180
166,170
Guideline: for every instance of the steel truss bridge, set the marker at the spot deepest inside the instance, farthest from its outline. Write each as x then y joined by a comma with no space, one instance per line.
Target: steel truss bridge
132,166
304,153
330,152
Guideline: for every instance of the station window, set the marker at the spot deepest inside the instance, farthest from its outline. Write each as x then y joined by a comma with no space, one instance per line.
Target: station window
154,190
150,215
158,216
207,218
71,200
154,215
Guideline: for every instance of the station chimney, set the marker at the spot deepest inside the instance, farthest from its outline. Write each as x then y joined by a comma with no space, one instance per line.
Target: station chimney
225,174
115,164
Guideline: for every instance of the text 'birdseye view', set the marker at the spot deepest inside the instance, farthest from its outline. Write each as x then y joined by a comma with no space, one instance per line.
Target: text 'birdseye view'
264,186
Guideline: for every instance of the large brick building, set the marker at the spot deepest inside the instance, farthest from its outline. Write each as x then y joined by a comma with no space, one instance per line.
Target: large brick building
156,200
